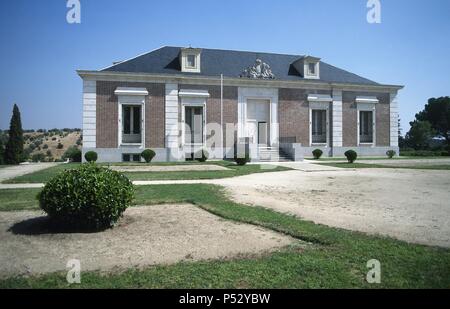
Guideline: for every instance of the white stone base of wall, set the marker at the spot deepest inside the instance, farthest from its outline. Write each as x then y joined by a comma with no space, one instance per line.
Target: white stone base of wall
364,151
112,155
295,151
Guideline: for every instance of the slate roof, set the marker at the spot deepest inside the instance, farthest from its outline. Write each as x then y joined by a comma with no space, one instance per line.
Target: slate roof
230,63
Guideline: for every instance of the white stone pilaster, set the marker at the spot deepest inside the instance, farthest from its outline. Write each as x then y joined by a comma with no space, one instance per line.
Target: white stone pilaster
171,116
89,113
394,119
337,118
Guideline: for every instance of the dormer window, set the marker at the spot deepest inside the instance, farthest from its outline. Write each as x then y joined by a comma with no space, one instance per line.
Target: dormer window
311,68
190,60
308,67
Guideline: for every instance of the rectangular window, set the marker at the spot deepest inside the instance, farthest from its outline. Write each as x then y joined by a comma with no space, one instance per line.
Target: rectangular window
131,124
312,69
127,157
194,125
366,127
191,61
319,126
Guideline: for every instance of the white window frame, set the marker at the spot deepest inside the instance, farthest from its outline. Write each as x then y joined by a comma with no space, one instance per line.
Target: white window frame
192,102
128,100
367,107
310,75
319,102
313,71
185,53
195,61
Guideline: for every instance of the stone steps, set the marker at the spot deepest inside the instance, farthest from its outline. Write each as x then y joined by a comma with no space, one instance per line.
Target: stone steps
272,154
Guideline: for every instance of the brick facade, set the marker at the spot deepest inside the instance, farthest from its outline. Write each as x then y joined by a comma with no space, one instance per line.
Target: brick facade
107,114
293,113
350,118
230,104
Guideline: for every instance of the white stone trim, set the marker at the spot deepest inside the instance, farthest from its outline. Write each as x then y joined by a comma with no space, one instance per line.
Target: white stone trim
89,113
319,106
394,111
270,94
192,101
193,93
171,118
307,74
131,91
369,107
131,100
337,118
319,98
230,81
185,52
366,99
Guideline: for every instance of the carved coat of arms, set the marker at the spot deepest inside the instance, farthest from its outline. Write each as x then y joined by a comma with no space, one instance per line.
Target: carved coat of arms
259,70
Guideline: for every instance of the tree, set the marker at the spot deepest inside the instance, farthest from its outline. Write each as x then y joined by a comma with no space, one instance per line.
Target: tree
14,147
420,135
2,152
401,139
437,113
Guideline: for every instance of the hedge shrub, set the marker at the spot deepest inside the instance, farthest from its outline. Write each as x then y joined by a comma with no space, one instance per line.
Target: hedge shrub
148,155
317,153
90,197
201,155
91,156
391,153
351,156
242,160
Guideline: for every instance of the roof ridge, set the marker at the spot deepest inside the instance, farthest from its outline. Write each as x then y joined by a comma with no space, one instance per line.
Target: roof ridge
132,58
242,51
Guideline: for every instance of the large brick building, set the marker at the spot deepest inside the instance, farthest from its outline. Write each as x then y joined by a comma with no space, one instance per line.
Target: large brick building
178,100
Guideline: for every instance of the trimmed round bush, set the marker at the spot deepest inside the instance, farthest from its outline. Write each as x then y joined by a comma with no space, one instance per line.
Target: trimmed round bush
148,155
391,153
351,156
242,160
88,198
91,156
317,153
201,155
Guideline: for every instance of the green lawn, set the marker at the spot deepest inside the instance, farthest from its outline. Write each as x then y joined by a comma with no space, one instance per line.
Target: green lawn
18,199
335,258
42,175
366,165
234,170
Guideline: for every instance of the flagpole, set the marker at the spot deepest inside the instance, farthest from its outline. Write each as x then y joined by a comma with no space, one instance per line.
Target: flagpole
221,113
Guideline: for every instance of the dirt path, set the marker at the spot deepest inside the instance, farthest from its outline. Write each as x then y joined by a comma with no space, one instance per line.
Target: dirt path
22,169
411,205
145,236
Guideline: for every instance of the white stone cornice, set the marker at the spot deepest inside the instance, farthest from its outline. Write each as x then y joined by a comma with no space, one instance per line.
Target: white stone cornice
243,82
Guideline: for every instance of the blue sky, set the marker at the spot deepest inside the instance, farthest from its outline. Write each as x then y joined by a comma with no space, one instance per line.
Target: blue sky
40,51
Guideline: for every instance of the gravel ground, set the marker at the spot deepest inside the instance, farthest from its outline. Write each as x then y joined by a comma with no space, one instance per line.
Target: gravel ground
411,205
145,236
